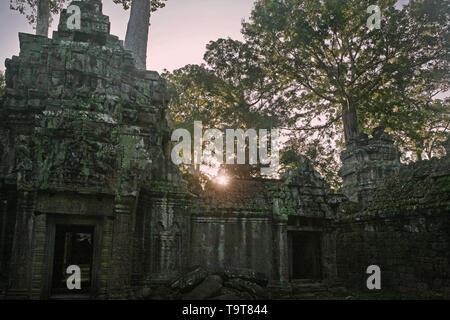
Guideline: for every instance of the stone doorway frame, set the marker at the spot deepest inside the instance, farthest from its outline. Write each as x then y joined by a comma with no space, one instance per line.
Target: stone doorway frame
296,231
58,219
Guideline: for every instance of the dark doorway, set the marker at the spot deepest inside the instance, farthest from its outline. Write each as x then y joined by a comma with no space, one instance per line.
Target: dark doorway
73,246
305,255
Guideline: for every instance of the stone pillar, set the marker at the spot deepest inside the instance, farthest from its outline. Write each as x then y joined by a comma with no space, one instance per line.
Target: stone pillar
22,252
329,261
280,250
38,266
3,242
105,268
3,222
121,253
141,239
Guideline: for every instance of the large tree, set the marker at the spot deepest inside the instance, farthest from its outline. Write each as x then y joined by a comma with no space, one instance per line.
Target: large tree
336,77
38,12
325,76
339,68
136,38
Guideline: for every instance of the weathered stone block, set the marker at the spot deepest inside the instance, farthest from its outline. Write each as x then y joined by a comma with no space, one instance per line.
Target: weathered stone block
210,287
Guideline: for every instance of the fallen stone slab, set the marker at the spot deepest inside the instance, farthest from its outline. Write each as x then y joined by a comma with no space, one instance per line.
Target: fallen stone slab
210,287
189,280
255,290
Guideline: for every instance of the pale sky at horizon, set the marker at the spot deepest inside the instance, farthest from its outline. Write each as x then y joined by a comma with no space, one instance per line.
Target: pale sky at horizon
178,33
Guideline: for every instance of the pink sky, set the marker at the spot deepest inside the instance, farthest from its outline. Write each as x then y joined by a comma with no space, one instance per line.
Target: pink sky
178,33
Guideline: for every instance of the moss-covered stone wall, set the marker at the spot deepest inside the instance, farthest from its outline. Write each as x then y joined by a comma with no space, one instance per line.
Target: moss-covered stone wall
405,230
412,251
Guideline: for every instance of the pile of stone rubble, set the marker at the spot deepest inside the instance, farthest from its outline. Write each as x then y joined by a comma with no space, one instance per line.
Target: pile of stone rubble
198,284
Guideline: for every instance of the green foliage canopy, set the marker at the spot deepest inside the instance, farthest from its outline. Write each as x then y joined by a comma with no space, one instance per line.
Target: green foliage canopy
317,70
2,85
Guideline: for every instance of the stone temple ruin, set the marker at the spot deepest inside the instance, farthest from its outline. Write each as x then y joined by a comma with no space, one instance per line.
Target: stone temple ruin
86,179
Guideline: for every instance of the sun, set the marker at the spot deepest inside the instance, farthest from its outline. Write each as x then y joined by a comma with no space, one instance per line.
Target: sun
222,180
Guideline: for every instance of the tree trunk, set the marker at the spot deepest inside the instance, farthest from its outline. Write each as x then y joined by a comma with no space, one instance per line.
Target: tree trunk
137,31
350,120
43,17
